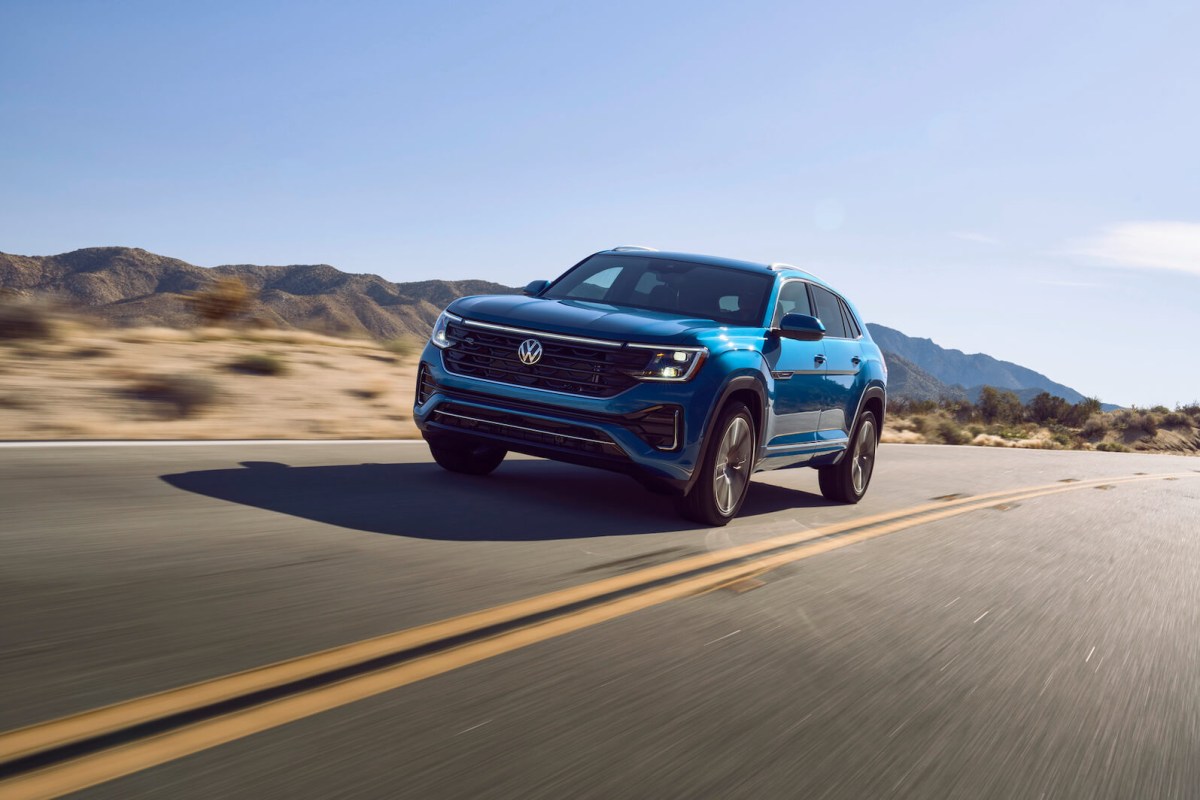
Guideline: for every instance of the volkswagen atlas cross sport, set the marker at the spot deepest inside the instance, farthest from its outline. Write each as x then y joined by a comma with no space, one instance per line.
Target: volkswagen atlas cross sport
687,372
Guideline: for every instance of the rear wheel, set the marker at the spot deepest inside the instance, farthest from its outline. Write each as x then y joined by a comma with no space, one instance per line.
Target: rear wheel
847,480
469,458
720,489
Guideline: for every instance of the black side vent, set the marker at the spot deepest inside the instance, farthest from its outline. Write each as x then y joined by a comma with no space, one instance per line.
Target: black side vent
425,385
661,426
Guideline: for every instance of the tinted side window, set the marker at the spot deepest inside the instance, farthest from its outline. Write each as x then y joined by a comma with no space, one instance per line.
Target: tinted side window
852,330
793,299
829,311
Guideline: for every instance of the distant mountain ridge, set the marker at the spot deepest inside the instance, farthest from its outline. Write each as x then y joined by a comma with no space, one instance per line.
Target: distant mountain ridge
128,286
962,374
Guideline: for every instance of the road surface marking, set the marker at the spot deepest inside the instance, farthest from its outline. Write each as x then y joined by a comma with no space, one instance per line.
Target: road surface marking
981,616
721,638
73,753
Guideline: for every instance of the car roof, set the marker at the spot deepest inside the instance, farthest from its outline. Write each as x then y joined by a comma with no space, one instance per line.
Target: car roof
718,261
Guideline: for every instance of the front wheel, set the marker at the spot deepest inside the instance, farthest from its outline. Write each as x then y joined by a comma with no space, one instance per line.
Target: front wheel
467,457
847,480
720,489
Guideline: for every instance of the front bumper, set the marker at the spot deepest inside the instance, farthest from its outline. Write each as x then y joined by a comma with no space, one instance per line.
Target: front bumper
648,431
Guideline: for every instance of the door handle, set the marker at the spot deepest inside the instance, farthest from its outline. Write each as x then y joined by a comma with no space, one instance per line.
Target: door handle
856,361
819,359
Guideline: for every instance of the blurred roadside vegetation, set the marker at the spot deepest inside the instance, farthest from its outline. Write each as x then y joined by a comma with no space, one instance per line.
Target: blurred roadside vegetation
65,375
1000,419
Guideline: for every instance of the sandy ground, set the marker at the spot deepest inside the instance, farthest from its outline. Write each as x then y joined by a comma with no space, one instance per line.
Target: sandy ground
91,383
99,383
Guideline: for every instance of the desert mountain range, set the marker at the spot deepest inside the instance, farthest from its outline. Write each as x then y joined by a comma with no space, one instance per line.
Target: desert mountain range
128,286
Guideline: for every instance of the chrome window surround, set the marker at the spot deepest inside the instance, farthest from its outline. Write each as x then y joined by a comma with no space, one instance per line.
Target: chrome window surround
771,327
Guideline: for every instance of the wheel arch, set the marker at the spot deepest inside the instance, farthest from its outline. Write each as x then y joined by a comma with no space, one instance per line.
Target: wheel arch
874,400
748,389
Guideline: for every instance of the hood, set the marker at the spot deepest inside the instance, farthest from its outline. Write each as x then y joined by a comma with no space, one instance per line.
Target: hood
581,318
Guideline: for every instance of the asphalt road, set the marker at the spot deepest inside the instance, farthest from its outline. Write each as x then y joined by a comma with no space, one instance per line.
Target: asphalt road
1041,647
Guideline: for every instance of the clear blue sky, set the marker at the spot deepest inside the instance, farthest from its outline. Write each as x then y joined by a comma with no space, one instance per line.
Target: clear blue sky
1016,178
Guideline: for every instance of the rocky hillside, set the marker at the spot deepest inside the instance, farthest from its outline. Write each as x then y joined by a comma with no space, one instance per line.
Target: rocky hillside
128,286
954,368
907,380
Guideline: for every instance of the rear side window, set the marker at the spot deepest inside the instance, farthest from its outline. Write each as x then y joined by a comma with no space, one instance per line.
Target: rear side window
852,330
793,299
829,311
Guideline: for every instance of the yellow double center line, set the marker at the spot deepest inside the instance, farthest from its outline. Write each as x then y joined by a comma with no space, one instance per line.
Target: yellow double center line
72,753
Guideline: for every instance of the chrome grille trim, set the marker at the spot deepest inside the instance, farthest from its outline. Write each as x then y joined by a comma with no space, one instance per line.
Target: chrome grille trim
523,428
542,334
571,366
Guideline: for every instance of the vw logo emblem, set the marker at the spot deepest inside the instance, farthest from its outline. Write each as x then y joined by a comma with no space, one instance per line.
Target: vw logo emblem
530,352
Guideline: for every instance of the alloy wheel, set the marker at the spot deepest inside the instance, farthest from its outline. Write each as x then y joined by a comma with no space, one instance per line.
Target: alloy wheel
731,472
864,456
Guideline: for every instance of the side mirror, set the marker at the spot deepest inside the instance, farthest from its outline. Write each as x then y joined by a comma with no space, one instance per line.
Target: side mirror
534,288
801,327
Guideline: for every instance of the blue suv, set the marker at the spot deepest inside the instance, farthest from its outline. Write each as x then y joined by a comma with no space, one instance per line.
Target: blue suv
687,372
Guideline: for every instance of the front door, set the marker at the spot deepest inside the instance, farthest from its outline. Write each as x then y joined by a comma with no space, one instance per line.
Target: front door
800,396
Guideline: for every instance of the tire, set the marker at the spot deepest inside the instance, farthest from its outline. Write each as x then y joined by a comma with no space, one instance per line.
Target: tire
847,480
467,458
720,489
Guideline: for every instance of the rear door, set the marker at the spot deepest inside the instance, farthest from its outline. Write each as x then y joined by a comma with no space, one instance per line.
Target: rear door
843,357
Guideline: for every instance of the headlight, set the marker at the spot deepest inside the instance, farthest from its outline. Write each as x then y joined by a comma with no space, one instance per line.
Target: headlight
672,365
439,337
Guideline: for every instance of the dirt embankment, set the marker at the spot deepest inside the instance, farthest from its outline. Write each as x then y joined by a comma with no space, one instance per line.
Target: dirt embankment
80,382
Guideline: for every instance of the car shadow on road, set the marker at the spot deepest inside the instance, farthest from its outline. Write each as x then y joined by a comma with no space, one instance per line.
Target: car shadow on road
521,501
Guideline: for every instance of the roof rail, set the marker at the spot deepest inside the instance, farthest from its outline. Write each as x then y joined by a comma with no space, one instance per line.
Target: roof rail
781,265
628,248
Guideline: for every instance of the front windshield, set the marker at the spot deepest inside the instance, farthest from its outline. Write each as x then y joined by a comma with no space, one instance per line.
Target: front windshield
731,296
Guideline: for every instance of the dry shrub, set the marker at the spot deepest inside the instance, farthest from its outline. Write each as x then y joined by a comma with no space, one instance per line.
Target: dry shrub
23,319
90,351
14,401
1112,447
375,389
182,394
1143,421
1096,427
950,433
990,440
259,364
226,299
403,346
1176,419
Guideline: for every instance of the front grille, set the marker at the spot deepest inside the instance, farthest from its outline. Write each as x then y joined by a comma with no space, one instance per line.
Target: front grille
570,367
512,425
